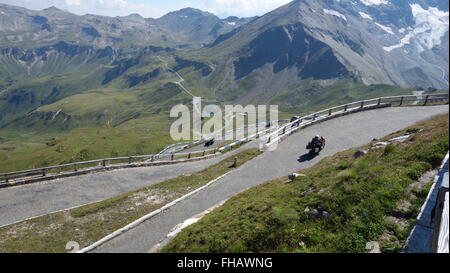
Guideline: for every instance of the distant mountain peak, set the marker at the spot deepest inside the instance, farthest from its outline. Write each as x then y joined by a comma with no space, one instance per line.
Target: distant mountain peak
134,15
189,12
53,8
231,19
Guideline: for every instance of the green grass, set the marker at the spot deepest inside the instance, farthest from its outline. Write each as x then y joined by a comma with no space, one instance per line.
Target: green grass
76,145
90,223
363,196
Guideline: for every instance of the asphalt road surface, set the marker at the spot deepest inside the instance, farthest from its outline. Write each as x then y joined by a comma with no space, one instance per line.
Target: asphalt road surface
341,133
27,201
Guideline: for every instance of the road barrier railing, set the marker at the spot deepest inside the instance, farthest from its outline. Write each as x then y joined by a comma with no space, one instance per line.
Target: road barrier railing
77,168
430,231
337,111
83,167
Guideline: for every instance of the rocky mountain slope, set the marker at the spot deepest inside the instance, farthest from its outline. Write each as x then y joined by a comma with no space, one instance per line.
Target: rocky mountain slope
303,55
23,28
402,43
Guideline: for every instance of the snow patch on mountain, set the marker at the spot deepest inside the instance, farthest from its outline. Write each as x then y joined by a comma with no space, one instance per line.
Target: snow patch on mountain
365,15
431,25
375,2
385,28
335,13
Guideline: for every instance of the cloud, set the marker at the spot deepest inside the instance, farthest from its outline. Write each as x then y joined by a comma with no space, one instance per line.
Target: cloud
153,8
243,7
100,7
74,2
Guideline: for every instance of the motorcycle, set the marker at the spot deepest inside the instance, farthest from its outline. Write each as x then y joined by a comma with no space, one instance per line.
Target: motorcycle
316,148
209,142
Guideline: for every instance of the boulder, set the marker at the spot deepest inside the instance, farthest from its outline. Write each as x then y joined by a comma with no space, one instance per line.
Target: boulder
306,193
294,176
360,153
379,145
315,213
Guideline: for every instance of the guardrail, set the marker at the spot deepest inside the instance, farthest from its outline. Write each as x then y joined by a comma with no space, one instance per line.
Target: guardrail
430,233
352,108
186,145
83,167
76,168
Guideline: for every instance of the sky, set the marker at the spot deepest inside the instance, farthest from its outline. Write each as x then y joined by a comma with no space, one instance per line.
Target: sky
153,8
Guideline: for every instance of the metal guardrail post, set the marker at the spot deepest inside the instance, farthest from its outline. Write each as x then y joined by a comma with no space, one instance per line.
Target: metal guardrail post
130,159
401,101
153,158
362,104
284,130
189,156
235,162
43,173
426,100
379,102
330,112
75,167
104,163
6,178
345,108
172,157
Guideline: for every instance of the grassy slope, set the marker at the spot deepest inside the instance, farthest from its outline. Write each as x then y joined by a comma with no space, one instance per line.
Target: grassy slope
90,223
363,197
139,115
77,145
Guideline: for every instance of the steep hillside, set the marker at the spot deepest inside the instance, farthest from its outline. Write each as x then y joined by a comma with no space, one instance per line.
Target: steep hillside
340,205
402,43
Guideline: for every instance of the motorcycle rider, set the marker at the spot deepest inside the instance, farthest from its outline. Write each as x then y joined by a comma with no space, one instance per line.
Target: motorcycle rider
318,141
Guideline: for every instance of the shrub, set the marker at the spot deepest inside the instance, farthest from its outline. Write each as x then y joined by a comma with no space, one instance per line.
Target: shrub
352,242
347,175
389,149
392,247
416,170
342,165
361,165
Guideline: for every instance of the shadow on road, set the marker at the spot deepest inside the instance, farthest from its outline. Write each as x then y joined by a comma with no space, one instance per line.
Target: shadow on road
305,157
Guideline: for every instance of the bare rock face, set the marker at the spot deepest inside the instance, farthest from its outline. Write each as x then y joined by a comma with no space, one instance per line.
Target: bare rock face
402,42
291,46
